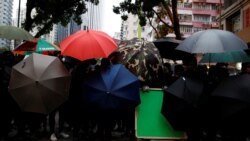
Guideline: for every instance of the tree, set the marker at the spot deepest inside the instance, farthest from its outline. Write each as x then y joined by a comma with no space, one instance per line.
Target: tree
145,10
50,12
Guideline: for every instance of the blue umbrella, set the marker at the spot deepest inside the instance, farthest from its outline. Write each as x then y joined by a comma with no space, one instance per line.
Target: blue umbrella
114,88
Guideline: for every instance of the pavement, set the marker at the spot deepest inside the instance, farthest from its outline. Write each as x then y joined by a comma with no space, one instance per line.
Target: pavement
116,136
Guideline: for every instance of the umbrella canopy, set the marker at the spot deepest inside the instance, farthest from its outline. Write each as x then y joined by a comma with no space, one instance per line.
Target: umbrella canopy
88,44
114,88
131,42
225,57
166,47
14,33
231,102
180,102
36,45
143,60
39,83
212,41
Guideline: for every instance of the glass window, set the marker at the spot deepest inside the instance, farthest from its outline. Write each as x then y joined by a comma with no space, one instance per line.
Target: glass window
236,24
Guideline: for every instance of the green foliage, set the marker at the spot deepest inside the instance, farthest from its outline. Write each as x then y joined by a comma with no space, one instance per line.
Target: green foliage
164,30
144,10
49,12
142,20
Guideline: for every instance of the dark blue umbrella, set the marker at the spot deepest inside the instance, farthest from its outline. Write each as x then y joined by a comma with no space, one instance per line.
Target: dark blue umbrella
113,88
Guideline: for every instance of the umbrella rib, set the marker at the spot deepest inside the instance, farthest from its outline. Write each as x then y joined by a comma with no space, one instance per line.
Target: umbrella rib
98,44
56,92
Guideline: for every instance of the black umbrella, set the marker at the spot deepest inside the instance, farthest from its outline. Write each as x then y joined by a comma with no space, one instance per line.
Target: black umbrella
231,105
166,47
180,102
232,95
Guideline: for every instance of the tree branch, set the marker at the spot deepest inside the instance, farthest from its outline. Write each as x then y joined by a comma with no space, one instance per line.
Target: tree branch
169,13
159,17
176,23
156,31
44,29
28,20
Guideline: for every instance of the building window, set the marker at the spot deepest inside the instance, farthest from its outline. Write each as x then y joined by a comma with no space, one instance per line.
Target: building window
201,6
185,29
213,18
185,18
201,18
236,24
187,5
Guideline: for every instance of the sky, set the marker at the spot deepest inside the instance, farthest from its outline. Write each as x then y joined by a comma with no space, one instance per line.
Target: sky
112,21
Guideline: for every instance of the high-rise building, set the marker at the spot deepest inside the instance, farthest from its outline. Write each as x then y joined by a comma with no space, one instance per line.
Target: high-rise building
94,16
21,17
194,15
198,15
60,32
92,19
5,18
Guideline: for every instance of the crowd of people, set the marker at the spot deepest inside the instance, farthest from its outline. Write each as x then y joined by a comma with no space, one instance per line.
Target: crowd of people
71,119
80,121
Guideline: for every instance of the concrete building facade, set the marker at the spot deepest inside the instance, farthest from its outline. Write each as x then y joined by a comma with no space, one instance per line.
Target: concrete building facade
194,15
236,18
6,7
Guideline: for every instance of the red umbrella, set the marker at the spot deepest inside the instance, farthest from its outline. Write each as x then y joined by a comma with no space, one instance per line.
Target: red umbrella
88,44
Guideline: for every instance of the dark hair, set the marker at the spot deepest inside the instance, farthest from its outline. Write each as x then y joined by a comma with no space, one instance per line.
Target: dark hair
244,67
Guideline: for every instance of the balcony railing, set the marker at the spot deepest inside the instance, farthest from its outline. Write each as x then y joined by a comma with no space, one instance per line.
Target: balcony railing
199,0
209,1
205,12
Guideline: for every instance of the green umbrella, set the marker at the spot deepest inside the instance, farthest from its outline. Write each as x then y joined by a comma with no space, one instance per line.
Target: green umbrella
14,33
226,57
36,45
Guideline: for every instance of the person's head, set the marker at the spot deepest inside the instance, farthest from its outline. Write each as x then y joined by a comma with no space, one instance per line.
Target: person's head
115,57
245,68
190,64
105,63
8,58
178,70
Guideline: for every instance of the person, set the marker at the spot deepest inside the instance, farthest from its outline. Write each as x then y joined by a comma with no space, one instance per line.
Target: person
7,114
245,68
80,117
52,124
115,57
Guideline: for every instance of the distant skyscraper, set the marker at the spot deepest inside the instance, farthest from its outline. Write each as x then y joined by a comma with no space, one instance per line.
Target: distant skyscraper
5,18
94,16
92,19
61,32
22,16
